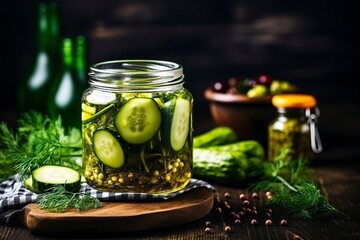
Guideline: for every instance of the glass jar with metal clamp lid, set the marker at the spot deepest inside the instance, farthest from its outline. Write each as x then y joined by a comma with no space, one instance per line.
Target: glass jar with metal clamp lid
294,130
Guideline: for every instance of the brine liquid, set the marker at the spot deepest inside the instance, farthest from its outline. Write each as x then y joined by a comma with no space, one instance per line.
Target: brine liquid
150,167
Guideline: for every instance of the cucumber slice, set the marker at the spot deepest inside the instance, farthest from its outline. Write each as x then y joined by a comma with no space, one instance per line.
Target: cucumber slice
179,110
108,149
29,185
138,120
48,176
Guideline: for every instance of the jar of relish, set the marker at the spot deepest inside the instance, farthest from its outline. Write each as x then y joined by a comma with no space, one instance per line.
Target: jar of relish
294,130
137,127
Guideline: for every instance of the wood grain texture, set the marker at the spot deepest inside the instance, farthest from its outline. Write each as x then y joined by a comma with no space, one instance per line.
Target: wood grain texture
118,216
339,182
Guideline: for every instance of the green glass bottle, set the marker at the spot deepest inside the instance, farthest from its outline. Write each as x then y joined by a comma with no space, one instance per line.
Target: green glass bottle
63,99
81,63
34,86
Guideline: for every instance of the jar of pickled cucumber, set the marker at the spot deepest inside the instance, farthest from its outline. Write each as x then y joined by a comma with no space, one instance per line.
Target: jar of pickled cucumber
294,131
137,127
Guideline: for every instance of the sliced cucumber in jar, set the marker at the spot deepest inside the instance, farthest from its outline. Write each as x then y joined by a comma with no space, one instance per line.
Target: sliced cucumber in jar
177,131
138,120
108,149
46,177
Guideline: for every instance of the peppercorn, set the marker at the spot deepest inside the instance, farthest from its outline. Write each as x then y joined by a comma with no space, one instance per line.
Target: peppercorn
219,210
208,223
227,195
242,196
268,222
254,222
208,230
228,229
254,195
246,203
283,222
237,221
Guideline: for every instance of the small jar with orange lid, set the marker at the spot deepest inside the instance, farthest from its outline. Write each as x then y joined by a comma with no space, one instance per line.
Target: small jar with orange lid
294,131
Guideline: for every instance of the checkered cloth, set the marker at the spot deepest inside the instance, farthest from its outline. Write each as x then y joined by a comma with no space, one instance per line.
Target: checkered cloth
14,195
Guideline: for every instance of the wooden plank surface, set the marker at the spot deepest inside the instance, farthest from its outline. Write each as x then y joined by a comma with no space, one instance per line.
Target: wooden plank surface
339,182
115,217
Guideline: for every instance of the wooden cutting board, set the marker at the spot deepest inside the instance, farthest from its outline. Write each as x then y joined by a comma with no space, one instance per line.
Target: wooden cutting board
117,216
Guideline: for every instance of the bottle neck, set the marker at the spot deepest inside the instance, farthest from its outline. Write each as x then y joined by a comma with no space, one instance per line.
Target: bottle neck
42,27
81,54
298,113
67,53
137,76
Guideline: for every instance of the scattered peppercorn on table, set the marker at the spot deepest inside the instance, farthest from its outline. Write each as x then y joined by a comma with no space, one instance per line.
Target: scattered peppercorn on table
239,213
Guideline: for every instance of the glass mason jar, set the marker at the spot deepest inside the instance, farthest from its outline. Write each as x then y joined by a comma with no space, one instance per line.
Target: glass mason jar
294,131
137,127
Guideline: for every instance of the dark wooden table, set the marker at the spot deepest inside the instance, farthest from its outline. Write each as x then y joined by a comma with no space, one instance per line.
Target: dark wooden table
339,182
337,170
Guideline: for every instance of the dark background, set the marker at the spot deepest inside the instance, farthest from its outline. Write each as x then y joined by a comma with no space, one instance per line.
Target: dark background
313,44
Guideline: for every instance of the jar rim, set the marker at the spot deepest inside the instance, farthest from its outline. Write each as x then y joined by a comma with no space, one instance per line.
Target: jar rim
136,74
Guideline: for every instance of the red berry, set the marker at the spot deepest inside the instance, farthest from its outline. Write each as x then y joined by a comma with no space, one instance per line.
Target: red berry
265,79
220,87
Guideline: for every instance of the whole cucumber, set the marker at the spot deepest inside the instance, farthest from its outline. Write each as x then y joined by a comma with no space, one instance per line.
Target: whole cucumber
219,166
250,148
214,137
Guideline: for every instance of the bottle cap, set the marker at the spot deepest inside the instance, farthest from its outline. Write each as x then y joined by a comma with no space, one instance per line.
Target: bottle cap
293,101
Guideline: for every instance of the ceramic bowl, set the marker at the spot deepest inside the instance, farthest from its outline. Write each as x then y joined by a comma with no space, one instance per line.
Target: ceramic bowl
249,117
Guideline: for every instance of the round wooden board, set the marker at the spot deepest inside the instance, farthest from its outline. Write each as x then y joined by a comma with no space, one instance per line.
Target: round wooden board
118,216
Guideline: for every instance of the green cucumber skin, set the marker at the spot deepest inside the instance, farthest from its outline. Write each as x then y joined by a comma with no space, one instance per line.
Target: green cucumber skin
219,158
167,114
250,148
42,186
214,137
29,185
218,166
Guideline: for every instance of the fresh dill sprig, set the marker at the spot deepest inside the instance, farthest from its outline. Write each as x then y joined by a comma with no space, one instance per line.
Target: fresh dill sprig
38,141
306,202
60,200
293,189
8,141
